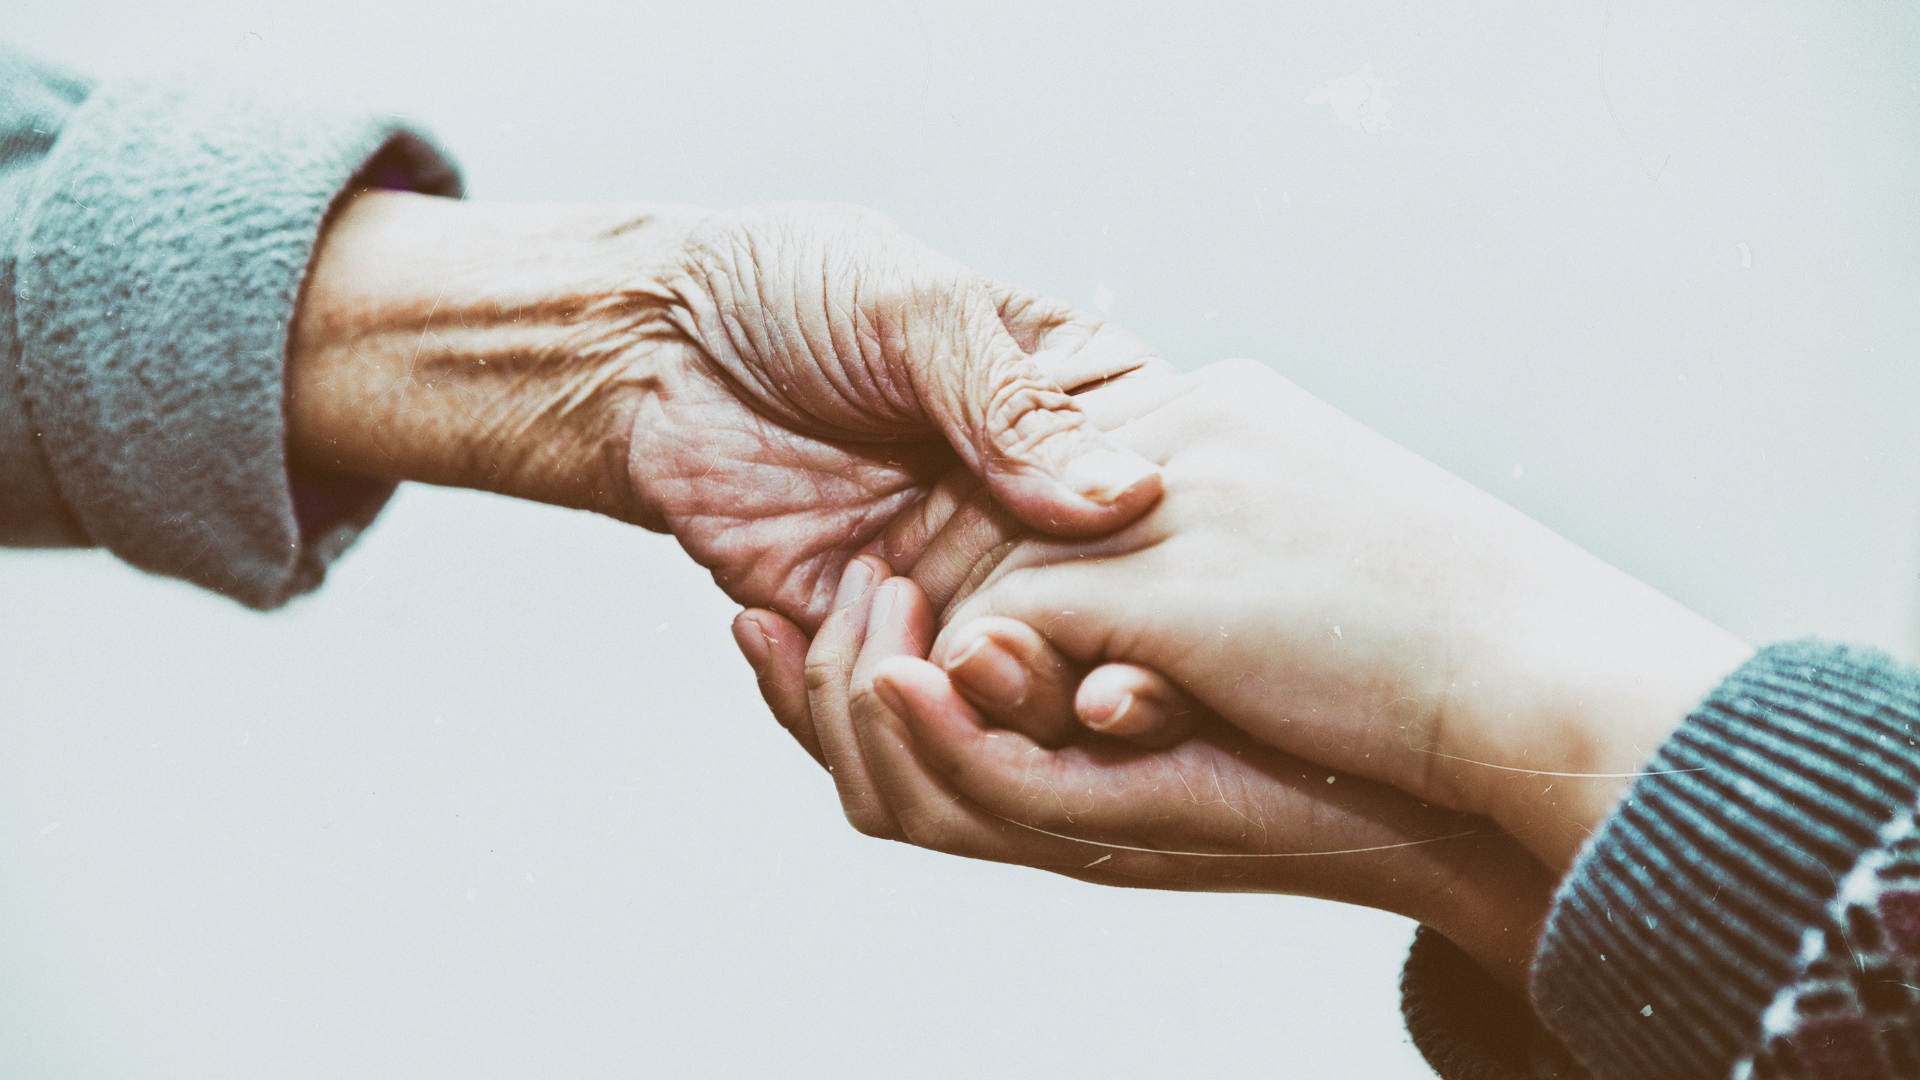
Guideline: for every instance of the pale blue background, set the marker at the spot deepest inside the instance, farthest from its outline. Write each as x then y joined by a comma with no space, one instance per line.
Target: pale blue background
501,801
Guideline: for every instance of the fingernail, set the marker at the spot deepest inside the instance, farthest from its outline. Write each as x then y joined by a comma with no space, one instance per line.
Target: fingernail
854,582
1112,720
753,644
990,674
882,606
1104,475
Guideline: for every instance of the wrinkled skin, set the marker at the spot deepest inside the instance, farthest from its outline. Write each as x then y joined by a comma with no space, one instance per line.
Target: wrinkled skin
775,385
835,371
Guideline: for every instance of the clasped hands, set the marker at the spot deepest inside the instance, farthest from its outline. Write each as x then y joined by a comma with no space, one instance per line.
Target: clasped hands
1028,592
1319,665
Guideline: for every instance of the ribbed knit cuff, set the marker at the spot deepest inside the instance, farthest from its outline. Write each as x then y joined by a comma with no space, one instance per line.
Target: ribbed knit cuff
164,244
1685,914
1469,1027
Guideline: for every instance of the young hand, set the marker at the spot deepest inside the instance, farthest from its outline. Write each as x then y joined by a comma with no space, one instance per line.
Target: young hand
1339,598
1218,811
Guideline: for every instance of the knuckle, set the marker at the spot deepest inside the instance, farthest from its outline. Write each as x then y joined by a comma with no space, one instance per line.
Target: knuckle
869,821
932,827
865,703
827,668
1025,414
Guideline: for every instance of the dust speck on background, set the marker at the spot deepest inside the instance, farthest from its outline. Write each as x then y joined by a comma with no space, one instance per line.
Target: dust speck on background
1358,100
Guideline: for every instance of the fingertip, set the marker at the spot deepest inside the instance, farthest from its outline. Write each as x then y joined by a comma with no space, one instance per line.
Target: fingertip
1135,704
967,646
1139,495
899,673
777,651
753,642
1112,498
1127,504
959,642
858,578
987,672
919,692
1014,676
773,646
1106,477
899,620
884,608
1109,716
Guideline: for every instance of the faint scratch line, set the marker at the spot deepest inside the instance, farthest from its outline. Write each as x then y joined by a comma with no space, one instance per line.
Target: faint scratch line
1235,854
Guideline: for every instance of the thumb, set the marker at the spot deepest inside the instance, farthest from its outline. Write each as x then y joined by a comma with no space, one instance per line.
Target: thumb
1040,455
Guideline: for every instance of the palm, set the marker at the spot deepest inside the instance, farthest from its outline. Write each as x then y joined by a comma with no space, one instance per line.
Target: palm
772,512
831,372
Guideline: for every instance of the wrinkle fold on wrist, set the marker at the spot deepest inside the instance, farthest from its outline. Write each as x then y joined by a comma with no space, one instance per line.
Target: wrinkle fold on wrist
490,346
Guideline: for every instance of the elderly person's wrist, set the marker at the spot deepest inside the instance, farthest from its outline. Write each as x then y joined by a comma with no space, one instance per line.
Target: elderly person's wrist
491,346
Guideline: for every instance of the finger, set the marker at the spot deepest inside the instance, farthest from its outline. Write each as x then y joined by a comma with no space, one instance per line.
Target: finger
960,786
829,681
1037,451
1019,681
1074,349
777,651
1218,811
940,540
1137,704
1083,790
899,623
950,540
1081,612
927,811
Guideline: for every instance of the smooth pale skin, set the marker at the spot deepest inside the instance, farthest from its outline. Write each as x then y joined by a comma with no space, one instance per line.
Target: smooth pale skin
776,386
1338,597
1217,812
1306,582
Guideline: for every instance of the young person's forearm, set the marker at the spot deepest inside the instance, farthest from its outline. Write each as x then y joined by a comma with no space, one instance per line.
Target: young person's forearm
1583,672
491,346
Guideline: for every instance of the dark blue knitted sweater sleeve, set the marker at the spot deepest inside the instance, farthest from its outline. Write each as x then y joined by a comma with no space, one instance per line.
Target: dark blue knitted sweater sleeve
1741,913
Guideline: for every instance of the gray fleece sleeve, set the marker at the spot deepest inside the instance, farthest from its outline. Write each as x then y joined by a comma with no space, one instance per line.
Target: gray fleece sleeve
35,101
156,253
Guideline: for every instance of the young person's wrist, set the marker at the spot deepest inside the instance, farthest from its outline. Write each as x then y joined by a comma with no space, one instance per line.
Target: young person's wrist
1493,906
1583,682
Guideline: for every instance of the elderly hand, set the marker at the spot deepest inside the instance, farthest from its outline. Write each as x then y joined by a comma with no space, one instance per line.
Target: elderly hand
1337,597
775,386
1217,811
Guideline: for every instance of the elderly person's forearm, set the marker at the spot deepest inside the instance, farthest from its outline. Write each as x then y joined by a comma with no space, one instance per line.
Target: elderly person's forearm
490,346
777,386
